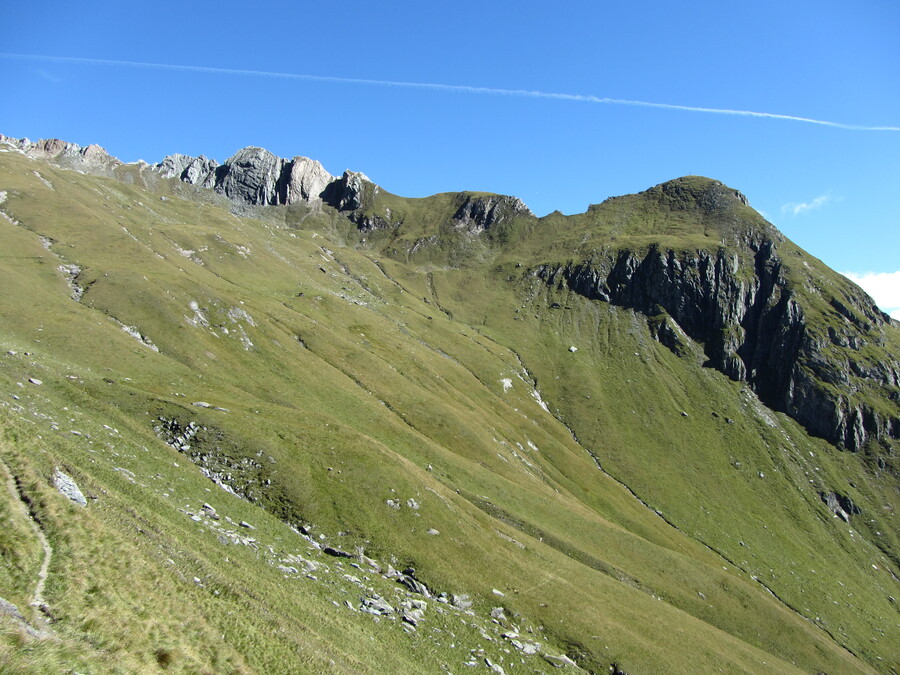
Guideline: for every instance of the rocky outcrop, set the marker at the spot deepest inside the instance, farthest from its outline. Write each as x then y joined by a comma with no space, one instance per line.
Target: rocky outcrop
753,326
307,180
252,176
91,159
255,176
193,170
350,192
476,214
841,505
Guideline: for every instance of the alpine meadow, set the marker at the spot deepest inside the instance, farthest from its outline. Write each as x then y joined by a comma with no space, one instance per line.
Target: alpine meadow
256,418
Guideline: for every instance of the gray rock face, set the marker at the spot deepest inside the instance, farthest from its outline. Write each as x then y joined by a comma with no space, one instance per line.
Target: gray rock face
841,505
252,176
193,170
752,327
350,192
92,158
68,488
307,180
477,214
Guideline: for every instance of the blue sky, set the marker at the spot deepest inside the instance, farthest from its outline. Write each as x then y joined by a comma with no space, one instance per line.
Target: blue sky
833,190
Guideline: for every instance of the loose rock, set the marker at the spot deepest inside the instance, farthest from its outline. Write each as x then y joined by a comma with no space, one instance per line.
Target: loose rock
68,488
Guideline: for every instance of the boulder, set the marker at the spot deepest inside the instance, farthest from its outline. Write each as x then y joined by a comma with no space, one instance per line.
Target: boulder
68,488
414,585
376,605
336,552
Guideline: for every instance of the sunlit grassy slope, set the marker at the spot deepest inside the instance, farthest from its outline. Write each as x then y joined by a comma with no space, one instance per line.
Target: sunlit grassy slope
622,504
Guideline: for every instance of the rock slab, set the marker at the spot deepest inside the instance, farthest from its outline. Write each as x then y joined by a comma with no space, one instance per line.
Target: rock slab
68,488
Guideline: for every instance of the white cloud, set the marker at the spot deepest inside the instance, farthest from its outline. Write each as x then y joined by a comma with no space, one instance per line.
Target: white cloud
884,287
803,207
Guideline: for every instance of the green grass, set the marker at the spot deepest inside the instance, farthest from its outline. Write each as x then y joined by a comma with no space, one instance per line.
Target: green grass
355,372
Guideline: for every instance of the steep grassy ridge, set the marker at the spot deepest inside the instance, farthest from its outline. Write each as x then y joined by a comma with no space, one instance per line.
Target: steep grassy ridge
365,394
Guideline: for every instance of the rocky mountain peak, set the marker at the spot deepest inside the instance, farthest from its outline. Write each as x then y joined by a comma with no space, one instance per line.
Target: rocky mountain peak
193,170
706,193
91,158
252,175
349,192
686,193
478,213
307,180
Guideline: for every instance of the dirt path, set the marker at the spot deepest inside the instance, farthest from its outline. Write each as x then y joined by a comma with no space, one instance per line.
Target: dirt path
39,620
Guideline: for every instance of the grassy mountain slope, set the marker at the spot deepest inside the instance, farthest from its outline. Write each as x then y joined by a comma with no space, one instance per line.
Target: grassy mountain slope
418,404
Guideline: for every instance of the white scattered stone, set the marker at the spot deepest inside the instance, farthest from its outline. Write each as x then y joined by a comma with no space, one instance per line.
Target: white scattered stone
34,380
559,661
137,335
68,488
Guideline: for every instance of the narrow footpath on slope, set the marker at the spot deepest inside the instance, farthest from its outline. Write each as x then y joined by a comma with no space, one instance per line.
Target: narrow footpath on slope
38,626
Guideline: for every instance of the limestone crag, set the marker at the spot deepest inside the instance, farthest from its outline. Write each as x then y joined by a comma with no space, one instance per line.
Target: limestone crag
91,159
350,191
352,194
307,180
193,170
252,176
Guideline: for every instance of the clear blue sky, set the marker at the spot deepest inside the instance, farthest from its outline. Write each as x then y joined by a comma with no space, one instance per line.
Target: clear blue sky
832,190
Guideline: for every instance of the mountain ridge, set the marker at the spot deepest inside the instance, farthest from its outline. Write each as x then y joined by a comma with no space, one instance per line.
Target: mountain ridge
722,304
519,408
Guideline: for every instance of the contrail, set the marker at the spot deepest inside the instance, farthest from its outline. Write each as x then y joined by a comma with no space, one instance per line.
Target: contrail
452,88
